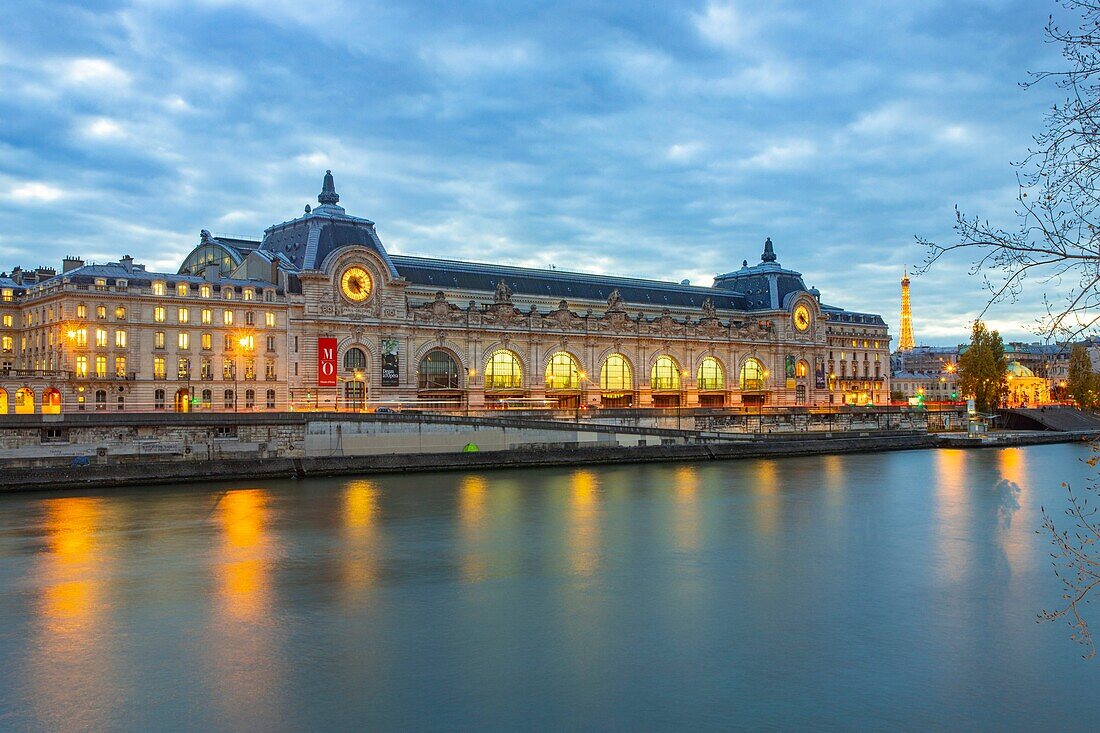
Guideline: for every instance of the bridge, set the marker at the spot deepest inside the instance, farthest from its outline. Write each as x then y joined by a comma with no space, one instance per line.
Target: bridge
1051,417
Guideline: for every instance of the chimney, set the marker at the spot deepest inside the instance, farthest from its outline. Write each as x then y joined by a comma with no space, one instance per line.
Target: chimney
71,263
17,275
127,263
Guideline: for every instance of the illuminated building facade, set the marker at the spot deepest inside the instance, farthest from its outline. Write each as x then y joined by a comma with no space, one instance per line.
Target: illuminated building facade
318,315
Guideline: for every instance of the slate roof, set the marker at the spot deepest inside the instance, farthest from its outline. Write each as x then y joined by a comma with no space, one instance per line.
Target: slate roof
561,284
87,275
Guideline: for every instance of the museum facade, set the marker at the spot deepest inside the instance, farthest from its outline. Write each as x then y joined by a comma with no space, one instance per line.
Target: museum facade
317,315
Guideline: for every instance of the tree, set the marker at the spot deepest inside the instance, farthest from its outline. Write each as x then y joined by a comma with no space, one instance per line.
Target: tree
982,368
1083,382
1057,236
1057,240
1076,563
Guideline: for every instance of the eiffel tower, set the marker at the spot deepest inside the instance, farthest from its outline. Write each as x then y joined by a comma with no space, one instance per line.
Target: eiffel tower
906,342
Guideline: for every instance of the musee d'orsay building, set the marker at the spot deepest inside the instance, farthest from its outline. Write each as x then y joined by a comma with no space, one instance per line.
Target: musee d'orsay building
318,315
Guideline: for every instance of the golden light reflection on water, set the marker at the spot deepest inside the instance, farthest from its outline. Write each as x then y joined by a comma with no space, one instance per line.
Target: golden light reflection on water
243,566
73,667
952,513
248,679
767,502
687,530
583,535
834,478
361,559
70,591
1015,536
472,513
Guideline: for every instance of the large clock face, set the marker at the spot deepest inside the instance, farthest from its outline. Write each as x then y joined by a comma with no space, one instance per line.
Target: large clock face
802,317
355,284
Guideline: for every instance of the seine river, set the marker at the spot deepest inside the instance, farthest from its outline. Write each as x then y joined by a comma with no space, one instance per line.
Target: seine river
880,592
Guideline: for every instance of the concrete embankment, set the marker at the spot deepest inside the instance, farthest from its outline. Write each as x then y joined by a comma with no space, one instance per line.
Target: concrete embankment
152,472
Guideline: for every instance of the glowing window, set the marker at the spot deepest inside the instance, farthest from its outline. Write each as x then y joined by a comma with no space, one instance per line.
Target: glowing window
753,375
801,369
615,374
503,371
711,375
665,373
562,372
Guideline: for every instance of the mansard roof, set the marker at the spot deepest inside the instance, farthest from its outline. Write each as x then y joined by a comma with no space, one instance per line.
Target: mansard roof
308,240
137,274
847,316
571,286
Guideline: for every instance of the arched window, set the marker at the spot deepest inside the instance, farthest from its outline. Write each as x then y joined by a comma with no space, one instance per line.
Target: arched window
209,254
711,375
100,400
230,401
562,372
615,374
438,370
3,402
753,375
271,399
158,399
503,371
802,368
665,373
207,399
354,359
51,402
24,401
250,398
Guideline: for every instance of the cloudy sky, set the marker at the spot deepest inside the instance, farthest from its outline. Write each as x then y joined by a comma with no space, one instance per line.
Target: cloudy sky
645,139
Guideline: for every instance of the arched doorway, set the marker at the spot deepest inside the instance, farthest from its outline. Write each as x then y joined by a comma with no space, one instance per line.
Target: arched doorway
664,382
753,381
439,380
503,376
355,395
616,382
51,402
711,381
24,401
183,400
3,401
563,380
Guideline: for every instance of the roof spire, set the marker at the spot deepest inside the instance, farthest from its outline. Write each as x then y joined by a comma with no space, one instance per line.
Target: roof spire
769,253
328,193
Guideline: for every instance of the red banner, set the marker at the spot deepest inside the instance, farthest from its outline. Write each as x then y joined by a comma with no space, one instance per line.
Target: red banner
326,362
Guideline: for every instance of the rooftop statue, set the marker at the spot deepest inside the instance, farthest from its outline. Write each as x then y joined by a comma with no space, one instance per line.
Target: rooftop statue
328,193
769,253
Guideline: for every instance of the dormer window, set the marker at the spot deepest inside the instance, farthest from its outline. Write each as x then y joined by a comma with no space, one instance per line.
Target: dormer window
227,293
249,293
159,288
205,291
182,290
